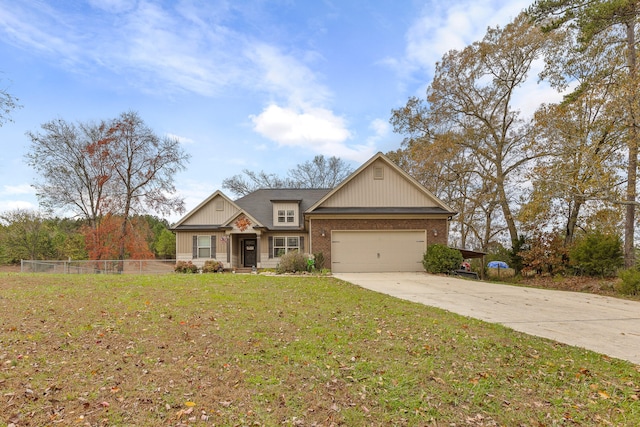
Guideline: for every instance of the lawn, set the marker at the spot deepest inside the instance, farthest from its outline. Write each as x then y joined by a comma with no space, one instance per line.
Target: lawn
247,350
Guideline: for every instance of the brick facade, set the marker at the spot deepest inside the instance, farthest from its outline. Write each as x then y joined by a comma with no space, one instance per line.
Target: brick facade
436,230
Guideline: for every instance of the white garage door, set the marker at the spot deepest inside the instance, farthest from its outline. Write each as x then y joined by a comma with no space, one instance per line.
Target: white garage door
377,251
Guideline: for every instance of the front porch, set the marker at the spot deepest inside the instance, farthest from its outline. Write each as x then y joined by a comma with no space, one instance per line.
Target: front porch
243,251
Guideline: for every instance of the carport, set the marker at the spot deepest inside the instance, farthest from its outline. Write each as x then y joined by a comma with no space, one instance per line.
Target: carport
469,254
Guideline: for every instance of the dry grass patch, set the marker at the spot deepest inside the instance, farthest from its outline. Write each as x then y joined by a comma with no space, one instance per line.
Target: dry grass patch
267,350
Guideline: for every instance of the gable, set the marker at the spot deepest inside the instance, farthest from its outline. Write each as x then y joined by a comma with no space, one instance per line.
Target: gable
381,184
215,211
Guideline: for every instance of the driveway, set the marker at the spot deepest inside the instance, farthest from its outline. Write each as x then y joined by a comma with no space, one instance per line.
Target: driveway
606,325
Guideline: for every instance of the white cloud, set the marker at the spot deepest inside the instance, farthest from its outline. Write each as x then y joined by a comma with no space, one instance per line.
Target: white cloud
316,129
298,116
21,196
452,25
12,205
31,28
380,128
284,76
289,127
11,190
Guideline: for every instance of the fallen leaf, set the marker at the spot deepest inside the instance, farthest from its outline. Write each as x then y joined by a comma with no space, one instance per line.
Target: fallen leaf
190,404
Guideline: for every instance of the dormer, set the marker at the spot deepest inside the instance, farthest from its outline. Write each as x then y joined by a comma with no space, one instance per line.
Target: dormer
286,213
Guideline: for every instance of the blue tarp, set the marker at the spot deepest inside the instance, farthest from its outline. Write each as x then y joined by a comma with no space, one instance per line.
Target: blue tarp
497,264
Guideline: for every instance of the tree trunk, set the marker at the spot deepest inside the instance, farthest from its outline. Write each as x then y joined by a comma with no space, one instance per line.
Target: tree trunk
632,167
506,209
571,222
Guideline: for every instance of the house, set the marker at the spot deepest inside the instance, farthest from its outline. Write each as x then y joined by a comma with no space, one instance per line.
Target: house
378,219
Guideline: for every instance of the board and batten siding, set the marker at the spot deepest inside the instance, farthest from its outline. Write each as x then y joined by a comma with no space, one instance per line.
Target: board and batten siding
286,206
184,246
389,190
217,211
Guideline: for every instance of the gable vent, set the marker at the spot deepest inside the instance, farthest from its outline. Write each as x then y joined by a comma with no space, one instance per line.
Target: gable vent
378,172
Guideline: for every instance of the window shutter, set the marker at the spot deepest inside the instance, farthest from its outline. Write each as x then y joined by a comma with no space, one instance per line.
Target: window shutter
270,247
301,244
195,247
228,248
213,246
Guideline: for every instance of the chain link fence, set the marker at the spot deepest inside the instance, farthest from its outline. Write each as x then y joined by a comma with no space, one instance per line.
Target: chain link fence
128,266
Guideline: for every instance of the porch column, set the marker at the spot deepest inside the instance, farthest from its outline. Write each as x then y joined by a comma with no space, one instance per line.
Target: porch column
258,250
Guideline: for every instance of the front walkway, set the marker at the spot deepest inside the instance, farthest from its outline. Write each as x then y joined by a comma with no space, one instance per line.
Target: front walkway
606,325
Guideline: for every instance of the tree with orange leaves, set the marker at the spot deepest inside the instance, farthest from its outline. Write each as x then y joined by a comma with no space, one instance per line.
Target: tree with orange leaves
115,169
105,241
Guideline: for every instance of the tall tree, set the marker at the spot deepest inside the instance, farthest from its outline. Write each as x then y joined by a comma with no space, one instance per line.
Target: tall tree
616,21
321,172
143,166
583,136
118,167
470,101
72,163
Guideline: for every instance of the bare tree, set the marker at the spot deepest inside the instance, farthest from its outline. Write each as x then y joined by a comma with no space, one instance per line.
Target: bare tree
252,181
71,162
318,173
117,167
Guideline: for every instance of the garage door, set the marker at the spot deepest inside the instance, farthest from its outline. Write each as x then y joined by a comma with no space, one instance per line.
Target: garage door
377,251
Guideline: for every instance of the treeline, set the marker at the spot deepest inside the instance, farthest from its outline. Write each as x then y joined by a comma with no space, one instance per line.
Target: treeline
27,234
541,183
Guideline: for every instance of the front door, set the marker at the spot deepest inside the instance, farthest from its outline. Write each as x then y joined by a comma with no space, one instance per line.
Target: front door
249,252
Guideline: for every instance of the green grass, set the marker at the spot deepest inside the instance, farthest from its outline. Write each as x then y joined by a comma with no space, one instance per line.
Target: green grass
227,349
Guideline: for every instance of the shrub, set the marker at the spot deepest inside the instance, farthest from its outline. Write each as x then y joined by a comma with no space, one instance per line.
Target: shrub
319,257
630,284
212,266
186,267
598,254
441,259
292,262
545,252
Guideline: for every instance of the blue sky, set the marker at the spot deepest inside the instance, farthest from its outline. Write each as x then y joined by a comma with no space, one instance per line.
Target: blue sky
255,84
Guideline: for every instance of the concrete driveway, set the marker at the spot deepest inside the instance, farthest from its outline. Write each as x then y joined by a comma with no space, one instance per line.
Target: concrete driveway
606,325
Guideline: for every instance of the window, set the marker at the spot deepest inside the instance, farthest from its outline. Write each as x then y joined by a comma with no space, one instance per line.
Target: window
204,246
286,216
282,245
